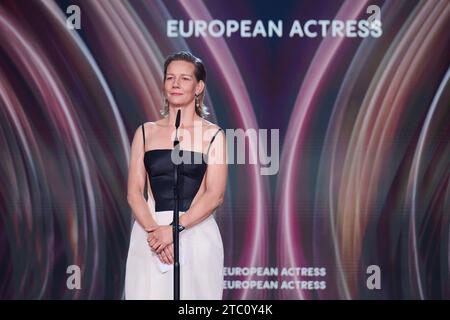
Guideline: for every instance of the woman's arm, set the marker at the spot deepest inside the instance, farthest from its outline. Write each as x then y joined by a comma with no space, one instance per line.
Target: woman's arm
136,182
216,180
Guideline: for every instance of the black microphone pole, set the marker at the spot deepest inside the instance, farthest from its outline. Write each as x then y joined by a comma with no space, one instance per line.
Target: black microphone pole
176,243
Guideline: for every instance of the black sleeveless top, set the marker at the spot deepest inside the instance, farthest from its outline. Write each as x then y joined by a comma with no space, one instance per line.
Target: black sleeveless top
160,168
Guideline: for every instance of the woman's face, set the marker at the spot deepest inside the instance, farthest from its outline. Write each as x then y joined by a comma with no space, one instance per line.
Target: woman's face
180,85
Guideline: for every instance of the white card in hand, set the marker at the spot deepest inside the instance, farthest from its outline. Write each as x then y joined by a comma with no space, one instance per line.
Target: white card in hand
163,268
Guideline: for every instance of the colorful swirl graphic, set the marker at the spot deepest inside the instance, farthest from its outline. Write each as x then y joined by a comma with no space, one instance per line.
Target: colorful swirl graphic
364,125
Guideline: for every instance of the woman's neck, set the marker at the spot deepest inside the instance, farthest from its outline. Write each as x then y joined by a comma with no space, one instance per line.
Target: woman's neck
188,117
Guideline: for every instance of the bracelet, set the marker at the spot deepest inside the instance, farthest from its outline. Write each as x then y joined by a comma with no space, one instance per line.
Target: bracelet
180,226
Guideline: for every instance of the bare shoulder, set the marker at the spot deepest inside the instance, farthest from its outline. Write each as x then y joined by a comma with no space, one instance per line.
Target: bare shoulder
210,126
160,122
212,130
150,129
152,126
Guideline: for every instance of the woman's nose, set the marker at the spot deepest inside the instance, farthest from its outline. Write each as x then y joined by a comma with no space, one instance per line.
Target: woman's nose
175,82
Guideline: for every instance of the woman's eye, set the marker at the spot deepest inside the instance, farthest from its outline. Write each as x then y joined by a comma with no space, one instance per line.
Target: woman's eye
186,78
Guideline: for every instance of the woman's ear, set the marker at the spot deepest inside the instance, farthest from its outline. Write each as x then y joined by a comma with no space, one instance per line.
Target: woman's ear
200,87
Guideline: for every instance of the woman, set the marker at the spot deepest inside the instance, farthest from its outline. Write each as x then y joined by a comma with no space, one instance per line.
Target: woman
202,186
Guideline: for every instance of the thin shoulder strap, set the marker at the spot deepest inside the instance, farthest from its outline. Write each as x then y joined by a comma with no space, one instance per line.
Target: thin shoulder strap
143,134
212,139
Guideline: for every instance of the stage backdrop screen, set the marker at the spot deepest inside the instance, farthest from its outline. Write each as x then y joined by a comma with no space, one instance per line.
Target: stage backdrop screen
336,117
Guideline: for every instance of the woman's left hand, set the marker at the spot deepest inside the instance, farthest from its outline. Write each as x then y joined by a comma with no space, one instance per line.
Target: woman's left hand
159,237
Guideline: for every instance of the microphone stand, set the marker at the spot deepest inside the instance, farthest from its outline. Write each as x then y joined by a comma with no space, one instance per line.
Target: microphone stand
175,220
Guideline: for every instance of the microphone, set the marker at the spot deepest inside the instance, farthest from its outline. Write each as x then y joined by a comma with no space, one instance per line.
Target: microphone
177,121
177,125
